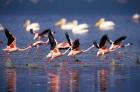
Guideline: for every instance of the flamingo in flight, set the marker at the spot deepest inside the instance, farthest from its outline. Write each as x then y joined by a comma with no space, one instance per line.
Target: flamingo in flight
39,36
118,43
75,46
103,47
11,43
54,50
66,44
61,45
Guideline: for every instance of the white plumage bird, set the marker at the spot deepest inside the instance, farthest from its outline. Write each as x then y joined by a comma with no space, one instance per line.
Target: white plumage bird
136,18
80,29
105,25
74,26
29,25
64,25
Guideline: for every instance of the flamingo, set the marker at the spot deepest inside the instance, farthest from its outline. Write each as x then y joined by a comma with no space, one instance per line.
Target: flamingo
118,43
62,45
64,25
65,45
75,47
105,25
54,50
34,26
40,35
102,46
11,44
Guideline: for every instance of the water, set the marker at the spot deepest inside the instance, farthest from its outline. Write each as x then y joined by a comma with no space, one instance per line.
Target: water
29,71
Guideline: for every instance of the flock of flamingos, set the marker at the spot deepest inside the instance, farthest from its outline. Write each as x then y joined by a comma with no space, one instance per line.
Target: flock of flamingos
72,47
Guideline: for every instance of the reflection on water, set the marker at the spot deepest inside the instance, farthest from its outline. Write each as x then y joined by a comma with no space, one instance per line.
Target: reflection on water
64,77
54,82
11,80
102,80
74,81
10,72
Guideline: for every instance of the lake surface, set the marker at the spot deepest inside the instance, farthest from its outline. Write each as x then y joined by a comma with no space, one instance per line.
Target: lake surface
30,71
